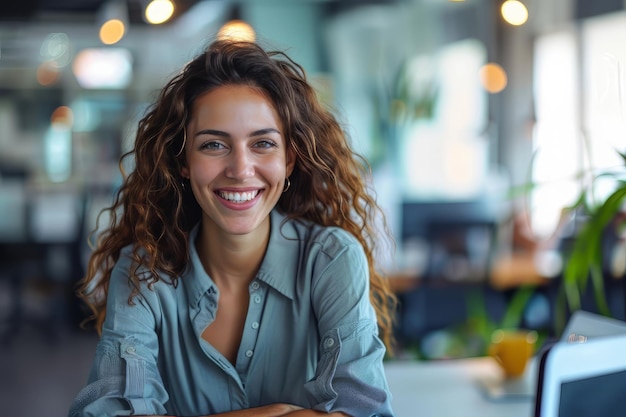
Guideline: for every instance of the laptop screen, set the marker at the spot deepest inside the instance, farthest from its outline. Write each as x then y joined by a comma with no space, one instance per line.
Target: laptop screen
601,395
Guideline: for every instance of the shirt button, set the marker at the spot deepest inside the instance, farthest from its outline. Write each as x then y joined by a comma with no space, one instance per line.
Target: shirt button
249,353
130,350
329,342
255,325
255,285
257,299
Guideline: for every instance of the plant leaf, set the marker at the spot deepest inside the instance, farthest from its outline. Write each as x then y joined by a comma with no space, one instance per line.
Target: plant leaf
514,312
587,251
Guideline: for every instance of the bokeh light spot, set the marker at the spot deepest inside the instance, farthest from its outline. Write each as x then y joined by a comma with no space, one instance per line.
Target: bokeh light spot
493,77
112,31
159,11
514,12
236,30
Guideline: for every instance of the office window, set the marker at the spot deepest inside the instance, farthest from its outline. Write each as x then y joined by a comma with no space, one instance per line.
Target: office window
604,95
557,134
446,156
580,86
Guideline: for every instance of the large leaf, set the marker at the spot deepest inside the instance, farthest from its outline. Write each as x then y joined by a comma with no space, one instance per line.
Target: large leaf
585,259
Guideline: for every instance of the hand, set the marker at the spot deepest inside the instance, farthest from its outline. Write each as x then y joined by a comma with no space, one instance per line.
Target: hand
271,410
313,413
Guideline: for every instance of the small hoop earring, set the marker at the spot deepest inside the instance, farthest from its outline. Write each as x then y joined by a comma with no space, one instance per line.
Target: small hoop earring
287,184
182,148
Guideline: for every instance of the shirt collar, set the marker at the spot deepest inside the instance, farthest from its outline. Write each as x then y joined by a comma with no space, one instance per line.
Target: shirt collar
197,282
280,261
281,257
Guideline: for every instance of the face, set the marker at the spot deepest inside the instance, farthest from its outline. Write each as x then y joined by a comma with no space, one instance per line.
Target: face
237,158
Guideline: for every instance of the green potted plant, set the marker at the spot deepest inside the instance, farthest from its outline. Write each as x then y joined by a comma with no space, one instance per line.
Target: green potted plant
583,263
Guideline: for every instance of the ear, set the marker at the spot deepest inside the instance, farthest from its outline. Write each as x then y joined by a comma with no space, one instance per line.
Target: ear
184,172
291,161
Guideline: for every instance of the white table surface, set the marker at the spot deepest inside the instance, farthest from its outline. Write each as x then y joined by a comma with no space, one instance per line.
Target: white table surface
447,388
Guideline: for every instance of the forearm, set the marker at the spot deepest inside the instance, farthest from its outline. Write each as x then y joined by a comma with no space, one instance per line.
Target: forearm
279,410
272,410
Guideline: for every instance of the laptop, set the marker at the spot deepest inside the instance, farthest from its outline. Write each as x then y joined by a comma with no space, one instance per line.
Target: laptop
586,379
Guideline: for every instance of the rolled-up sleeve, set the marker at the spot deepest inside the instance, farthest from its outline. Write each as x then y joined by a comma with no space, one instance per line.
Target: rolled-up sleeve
124,378
350,376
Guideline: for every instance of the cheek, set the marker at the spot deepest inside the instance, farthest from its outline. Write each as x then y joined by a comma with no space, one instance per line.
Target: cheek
203,172
277,171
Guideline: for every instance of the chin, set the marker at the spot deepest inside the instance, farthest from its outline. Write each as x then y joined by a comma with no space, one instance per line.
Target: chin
240,229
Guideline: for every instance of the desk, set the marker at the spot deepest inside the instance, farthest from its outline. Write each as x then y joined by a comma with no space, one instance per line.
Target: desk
449,388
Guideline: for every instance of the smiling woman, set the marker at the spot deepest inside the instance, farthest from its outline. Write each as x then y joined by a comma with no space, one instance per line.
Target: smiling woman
238,275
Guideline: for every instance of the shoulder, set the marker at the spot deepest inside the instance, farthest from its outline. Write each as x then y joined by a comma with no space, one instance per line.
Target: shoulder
307,251
330,249
336,243
148,286
332,241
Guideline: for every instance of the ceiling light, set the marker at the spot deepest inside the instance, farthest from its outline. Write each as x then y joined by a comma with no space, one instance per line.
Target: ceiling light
514,12
159,11
114,18
493,78
236,30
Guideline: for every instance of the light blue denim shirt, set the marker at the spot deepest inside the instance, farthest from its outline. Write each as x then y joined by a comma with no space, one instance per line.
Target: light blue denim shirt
310,336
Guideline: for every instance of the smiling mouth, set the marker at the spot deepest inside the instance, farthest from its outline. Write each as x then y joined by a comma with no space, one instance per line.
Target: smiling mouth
238,197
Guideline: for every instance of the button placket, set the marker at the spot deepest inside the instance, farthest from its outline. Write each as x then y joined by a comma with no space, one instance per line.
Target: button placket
258,293
257,300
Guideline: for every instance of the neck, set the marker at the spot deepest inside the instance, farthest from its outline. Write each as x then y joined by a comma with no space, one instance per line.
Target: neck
232,260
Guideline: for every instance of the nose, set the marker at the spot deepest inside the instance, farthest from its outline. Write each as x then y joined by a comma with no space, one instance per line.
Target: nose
240,164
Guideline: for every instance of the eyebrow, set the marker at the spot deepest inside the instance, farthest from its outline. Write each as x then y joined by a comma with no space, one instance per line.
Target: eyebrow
220,133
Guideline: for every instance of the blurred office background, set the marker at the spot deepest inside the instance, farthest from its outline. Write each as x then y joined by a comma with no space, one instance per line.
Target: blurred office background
455,104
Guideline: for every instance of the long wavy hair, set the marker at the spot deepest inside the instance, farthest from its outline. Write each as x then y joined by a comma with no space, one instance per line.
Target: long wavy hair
154,213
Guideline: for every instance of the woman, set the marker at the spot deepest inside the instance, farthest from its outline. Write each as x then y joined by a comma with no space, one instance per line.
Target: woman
237,275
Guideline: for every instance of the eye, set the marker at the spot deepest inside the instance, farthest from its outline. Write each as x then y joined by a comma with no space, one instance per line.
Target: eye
265,143
212,145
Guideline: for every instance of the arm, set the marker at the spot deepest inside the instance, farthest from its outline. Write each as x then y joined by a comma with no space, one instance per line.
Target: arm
279,410
273,410
124,374
350,377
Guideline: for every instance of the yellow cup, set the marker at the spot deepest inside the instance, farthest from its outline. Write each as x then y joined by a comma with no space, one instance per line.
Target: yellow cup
512,349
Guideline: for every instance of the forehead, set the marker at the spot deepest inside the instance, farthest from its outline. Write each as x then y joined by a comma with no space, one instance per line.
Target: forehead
234,103
228,98
233,92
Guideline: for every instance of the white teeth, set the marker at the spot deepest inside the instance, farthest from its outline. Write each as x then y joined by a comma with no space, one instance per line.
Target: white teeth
238,197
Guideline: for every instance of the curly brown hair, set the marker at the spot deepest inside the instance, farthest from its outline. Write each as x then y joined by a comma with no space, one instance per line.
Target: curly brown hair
153,213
